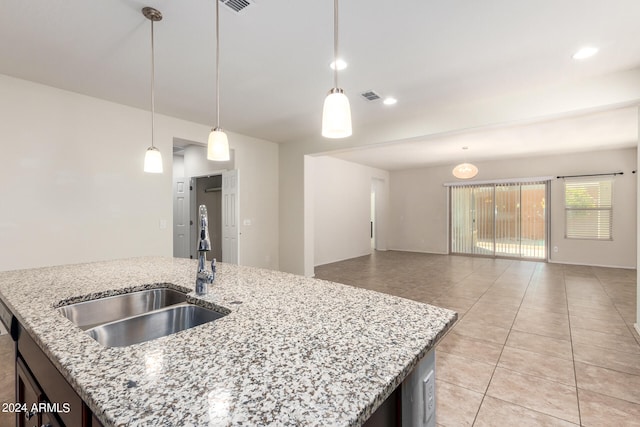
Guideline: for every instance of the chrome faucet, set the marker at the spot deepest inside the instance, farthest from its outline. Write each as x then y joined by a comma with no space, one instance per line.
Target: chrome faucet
204,277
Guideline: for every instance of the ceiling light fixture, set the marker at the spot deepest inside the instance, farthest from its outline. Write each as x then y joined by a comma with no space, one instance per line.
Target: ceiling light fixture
585,52
390,101
218,144
336,113
152,158
465,170
339,63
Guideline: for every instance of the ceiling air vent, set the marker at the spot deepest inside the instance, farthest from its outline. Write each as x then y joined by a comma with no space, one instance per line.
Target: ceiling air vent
236,5
370,95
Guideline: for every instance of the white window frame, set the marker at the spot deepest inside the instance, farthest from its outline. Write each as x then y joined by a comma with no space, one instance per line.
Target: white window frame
578,231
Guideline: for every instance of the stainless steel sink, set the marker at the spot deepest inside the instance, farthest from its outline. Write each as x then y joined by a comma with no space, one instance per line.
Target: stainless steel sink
158,323
92,313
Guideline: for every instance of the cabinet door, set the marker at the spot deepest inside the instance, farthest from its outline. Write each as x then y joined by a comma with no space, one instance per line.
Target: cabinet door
51,382
95,422
49,420
28,393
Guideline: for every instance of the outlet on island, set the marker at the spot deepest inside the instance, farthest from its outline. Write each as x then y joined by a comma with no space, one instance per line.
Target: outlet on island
419,394
429,396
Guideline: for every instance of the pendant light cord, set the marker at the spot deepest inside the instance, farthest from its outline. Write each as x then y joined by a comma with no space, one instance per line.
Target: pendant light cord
153,112
217,63
335,43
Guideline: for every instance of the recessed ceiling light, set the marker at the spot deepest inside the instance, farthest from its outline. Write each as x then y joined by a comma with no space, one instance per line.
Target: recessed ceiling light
585,52
389,100
341,64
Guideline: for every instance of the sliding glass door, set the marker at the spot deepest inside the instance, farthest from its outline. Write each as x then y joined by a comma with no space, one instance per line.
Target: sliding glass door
502,220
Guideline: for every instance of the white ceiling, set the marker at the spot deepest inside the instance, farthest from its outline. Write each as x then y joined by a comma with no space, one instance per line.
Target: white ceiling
429,54
590,132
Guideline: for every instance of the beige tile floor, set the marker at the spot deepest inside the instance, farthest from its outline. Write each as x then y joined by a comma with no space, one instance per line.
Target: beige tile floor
7,379
537,344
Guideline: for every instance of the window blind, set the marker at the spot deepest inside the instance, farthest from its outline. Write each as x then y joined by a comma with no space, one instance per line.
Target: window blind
589,208
500,219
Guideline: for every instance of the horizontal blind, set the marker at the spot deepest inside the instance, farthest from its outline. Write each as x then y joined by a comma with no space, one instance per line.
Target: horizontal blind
589,208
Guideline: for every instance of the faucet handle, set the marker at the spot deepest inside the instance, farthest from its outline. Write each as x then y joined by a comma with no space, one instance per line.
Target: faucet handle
213,269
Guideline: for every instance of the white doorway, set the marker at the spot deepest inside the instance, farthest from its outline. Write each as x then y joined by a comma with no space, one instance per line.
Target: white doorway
373,218
220,193
181,218
207,190
230,217
379,201
192,170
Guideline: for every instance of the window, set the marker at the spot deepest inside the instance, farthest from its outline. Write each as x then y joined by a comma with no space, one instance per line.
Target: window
588,208
502,219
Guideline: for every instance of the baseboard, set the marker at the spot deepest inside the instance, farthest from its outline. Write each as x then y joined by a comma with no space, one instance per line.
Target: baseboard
637,327
341,259
415,251
625,267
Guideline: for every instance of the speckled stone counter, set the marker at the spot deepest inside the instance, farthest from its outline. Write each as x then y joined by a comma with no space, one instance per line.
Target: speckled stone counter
292,350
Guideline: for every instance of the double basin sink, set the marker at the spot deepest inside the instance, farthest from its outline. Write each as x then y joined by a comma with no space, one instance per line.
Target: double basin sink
126,319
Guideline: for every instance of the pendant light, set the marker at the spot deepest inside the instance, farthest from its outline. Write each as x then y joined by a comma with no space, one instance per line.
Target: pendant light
465,170
336,113
218,144
152,158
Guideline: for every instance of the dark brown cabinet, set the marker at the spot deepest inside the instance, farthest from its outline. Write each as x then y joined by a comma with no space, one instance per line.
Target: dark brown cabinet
46,398
31,398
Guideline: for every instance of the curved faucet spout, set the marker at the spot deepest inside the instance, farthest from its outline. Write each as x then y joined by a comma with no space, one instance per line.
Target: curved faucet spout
203,277
204,243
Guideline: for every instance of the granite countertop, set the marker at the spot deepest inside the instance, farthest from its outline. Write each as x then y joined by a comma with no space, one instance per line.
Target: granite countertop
292,350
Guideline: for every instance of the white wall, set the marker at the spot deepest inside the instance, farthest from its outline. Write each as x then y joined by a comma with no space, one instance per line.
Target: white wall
419,211
532,104
178,166
309,216
342,209
257,162
195,162
73,186
72,183
294,257
637,324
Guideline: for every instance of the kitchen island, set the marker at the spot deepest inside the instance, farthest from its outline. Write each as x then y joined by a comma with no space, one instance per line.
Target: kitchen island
289,351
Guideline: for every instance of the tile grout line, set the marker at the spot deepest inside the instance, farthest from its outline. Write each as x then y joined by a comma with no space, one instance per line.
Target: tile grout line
592,364
533,410
603,367
460,318
472,305
484,395
450,269
615,306
573,357
451,329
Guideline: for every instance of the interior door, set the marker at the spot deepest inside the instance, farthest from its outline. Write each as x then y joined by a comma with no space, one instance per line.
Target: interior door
230,217
181,218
